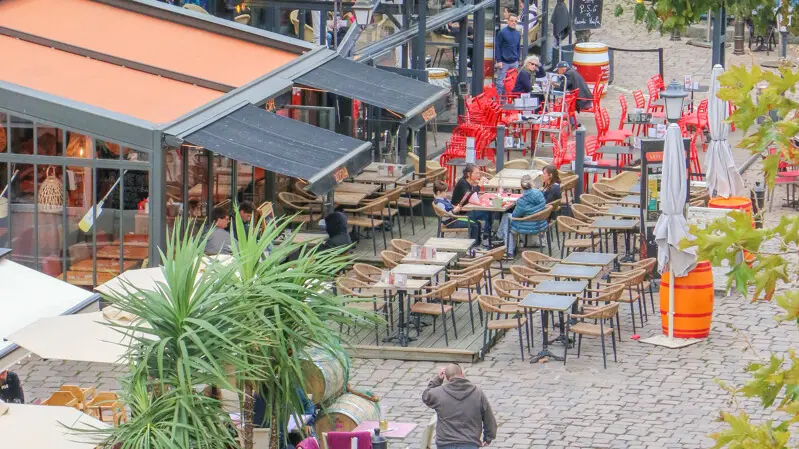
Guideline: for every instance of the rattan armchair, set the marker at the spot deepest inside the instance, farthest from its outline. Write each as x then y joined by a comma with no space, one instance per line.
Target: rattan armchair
633,283
607,192
469,281
390,258
601,315
441,293
445,221
576,235
366,300
528,277
364,217
538,216
401,246
493,308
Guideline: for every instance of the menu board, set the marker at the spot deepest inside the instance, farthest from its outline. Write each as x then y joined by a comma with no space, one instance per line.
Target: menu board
586,14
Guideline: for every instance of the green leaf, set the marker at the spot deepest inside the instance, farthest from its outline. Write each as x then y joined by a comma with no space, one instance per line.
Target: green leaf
789,301
741,275
618,11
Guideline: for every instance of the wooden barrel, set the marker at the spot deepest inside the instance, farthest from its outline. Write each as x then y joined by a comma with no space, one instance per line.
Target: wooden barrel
324,376
693,302
346,413
488,58
733,202
592,62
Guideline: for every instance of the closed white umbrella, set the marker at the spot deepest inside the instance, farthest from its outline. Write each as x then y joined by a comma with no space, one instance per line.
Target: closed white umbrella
672,226
722,176
41,426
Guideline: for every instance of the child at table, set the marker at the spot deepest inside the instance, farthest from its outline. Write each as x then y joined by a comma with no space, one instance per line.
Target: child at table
441,201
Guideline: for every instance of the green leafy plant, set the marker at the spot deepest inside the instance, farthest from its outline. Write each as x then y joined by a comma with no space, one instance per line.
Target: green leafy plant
227,323
757,94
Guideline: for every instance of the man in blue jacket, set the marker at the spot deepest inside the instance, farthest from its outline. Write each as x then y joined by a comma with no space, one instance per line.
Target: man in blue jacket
507,47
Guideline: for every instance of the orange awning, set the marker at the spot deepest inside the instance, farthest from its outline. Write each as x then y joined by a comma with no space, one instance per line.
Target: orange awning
144,39
111,87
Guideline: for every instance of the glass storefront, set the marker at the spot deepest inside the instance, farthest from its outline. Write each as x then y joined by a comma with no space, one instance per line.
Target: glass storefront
53,216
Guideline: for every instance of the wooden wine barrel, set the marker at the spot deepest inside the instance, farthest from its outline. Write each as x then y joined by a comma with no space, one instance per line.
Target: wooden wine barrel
346,413
693,302
324,376
733,202
592,62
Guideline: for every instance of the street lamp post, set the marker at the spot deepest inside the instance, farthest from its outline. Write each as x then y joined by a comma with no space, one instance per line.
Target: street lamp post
673,98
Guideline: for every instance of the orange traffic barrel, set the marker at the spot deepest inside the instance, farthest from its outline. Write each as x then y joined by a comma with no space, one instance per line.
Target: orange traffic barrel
693,302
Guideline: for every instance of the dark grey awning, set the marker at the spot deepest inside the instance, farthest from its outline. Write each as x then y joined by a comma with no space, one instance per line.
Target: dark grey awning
400,94
282,145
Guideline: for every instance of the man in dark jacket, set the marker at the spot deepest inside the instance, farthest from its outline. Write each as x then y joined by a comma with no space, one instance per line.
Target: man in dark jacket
11,388
576,81
507,47
464,413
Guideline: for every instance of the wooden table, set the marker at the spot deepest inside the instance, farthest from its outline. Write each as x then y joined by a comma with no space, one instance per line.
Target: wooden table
624,212
355,187
103,265
372,177
401,335
375,166
418,270
442,258
517,173
348,198
450,244
549,303
590,259
128,252
306,237
561,287
85,278
396,430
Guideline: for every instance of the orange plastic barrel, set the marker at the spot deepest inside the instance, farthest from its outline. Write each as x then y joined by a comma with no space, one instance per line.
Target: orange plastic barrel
733,202
592,62
693,302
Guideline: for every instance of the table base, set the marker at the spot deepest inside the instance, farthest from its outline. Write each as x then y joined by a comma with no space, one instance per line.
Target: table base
546,353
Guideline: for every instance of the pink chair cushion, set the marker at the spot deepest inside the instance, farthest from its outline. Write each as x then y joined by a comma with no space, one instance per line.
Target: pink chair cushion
308,443
343,440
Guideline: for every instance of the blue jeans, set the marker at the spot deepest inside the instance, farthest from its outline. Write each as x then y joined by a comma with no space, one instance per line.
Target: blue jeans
500,84
474,227
485,217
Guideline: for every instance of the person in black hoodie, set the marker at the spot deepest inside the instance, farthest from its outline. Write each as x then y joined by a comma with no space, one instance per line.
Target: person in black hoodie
336,227
11,388
464,413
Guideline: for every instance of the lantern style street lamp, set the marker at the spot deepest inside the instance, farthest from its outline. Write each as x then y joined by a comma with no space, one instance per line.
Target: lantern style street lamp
363,12
673,98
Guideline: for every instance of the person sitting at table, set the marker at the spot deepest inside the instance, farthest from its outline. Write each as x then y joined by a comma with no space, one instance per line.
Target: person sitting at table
246,209
336,227
465,188
551,183
531,70
531,202
11,388
576,81
219,240
440,193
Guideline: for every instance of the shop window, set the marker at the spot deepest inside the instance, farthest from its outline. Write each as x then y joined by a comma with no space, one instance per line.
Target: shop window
50,219
4,207
3,133
173,166
197,179
79,258
129,154
21,135
22,225
107,150
49,141
79,145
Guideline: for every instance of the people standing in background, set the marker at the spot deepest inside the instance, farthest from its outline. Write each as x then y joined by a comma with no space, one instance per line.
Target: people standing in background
11,388
507,47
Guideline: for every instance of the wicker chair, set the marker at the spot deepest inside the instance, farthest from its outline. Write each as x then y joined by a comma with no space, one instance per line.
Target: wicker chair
623,182
505,289
444,227
576,235
597,202
366,273
607,192
413,198
518,164
440,293
538,216
493,309
391,208
586,213
390,258
601,315
468,281
567,186
539,261
294,203
631,280
497,255
648,264
528,277
601,297
361,291
401,246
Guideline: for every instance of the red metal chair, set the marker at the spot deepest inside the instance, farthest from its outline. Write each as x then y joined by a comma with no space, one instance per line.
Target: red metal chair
696,167
654,95
657,80
605,134
509,83
623,106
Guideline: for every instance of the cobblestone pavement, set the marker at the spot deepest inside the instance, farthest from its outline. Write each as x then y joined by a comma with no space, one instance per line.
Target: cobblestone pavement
652,398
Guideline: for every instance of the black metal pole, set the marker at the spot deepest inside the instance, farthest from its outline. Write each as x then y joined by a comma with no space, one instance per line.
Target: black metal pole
500,156
419,41
545,32
579,162
478,52
525,30
719,36
463,57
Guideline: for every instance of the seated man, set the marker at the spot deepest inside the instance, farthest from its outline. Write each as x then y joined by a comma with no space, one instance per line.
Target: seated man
465,188
219,241
11,388
442,202
337,231
576,81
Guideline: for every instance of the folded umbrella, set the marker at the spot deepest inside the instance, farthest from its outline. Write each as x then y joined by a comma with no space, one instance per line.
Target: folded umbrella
722,175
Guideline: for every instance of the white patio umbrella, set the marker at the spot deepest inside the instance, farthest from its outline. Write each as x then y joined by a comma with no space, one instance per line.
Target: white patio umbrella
83,337
672,226
148,278
722,175
41,426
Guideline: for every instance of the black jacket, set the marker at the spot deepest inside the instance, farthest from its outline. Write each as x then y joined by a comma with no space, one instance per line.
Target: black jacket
461,190
11,390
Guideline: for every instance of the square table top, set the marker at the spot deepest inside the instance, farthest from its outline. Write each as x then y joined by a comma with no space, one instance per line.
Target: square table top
412,284
588,258
508,201
442,258
518,173
615,149
355,187
418,270
375,178
635,200
614,224
348,198
561,287
635,189
559,303
305,237
450,244
396,430
570,271
624,211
